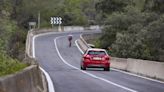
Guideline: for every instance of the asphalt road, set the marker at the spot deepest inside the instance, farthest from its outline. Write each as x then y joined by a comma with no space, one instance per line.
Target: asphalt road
63,65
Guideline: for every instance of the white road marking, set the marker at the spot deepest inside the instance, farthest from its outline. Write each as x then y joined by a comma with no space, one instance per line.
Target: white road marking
92,75
49,80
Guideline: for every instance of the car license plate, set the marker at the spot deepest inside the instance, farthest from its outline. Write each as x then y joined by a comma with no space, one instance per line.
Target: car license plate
96,58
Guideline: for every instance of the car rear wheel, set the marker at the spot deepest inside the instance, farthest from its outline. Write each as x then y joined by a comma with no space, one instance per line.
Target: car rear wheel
107,69
83,68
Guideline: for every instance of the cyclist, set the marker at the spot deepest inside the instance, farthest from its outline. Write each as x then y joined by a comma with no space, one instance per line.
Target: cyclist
70,40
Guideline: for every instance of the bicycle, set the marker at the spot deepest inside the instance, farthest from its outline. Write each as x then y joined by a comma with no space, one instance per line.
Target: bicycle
70,40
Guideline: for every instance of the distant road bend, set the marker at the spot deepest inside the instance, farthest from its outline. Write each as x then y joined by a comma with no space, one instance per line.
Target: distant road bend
63,65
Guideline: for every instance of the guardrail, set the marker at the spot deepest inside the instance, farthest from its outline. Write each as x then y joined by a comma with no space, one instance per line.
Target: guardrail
147,68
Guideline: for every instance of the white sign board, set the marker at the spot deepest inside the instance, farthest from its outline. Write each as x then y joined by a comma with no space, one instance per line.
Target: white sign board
32,23
56,20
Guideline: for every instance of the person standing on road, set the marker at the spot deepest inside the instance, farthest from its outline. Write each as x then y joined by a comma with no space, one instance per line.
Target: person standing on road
70,40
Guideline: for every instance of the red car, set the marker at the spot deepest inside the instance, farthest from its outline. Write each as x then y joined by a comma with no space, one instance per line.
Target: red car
95,58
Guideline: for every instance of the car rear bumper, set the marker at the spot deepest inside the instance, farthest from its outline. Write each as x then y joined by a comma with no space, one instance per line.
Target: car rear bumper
93,65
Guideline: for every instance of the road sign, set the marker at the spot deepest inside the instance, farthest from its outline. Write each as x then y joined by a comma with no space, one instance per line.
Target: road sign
56,20
32,25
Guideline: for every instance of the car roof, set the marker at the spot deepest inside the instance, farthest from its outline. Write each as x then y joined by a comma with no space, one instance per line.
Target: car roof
96,49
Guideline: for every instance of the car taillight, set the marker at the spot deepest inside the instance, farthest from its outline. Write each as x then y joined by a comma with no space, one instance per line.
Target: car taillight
86,57
107,58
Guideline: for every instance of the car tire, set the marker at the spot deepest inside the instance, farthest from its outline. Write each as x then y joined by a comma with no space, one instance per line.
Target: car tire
107,69
83,68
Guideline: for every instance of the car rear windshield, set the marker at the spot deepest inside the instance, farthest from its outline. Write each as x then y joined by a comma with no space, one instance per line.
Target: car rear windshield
96,53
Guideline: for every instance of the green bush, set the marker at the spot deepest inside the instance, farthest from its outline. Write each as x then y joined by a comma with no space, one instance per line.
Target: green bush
9,65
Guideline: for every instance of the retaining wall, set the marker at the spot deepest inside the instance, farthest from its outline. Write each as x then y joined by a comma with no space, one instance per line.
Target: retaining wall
73,28
80,28
28,80
119,63
142,67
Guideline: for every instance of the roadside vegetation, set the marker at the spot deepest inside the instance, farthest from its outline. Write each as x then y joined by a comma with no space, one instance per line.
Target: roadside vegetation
12,41
133,28
9,65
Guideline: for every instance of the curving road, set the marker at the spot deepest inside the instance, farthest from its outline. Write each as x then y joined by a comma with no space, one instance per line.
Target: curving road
63,65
